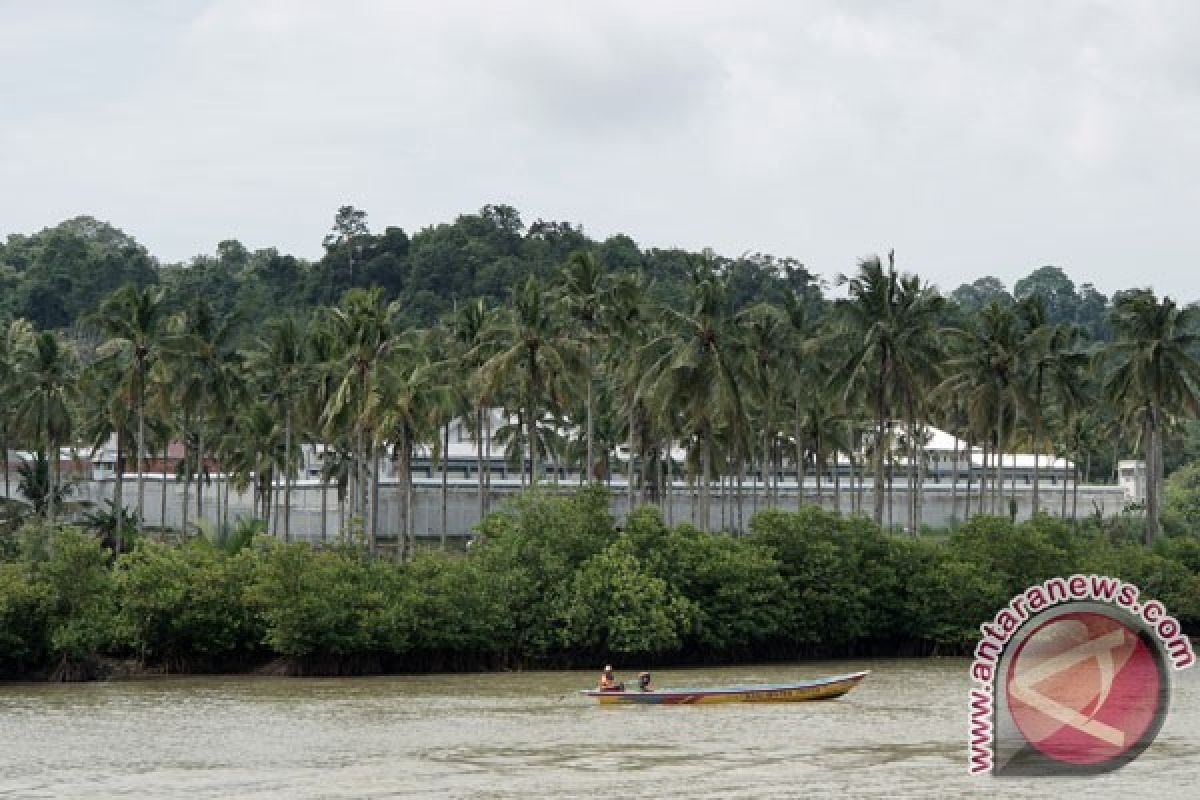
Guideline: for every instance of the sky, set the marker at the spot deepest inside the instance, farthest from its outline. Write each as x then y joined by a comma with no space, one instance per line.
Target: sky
975,138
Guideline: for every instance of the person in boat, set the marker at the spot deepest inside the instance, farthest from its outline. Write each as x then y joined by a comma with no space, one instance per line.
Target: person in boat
644,682
608,681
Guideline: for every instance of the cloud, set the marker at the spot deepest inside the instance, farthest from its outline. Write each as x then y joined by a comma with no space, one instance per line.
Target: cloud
974,138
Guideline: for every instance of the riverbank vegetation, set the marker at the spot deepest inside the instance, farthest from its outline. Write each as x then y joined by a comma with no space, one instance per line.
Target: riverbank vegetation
593,349
550,582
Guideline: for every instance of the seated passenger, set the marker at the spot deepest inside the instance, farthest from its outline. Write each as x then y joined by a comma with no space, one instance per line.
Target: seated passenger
608,681
644,682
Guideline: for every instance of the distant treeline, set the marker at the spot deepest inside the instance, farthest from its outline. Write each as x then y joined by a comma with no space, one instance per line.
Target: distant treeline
551,582
57,277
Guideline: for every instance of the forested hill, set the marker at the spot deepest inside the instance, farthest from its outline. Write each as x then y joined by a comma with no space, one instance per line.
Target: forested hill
58,276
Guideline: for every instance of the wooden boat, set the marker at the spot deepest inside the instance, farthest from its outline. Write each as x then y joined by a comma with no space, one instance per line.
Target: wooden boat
817,689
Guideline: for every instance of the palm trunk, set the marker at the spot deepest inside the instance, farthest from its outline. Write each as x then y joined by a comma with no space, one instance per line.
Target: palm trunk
218,481
341,515
1152,458
723,500
591,456
51,460
919,501
4,445
891,478
766,468
668,496
629,469
187,480
445,481
162,491
998,482
374,493
487,454
141,444
287,469
739,525
479,459
1037,453
837,483
880,420
819,466
531,432
403,466
858,469
200,459
1075,493
985,476
954,483
801,470
118,500
1065,481
799,460
324,508
265,483
966,499
912,472
704,487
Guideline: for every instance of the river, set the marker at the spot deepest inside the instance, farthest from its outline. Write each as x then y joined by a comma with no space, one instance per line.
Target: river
519,735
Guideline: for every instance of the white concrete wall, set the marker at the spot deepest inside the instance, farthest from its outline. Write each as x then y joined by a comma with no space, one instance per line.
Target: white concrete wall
938,504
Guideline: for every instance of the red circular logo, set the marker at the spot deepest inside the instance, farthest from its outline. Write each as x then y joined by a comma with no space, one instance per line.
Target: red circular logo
1084,688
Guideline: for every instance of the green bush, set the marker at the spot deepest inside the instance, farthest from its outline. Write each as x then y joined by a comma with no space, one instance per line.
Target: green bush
182,607
323,603
80,617
23,630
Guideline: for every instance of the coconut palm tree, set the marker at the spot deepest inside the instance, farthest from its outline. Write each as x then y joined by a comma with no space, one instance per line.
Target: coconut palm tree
205,349
583,297
1052,365
982,370
15,338
472,322
886,326
534,357
628,327
104,413
411,396
363,325
1152,374
49,369
441,346
764,327
280,363
698,374
133,320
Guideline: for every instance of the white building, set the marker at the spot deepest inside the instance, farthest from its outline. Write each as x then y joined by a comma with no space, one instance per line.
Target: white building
1131,475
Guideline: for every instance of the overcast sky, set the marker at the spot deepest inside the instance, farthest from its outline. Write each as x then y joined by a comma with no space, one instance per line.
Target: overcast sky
973,137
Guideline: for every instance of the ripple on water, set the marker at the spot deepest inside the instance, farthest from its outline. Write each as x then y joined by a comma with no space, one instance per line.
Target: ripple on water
509,735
